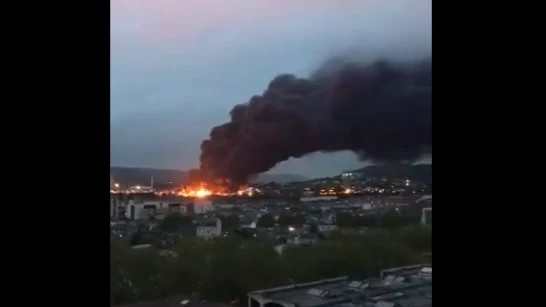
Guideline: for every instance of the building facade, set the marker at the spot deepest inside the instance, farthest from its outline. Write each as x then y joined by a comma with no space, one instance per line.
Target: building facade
409,286
209,228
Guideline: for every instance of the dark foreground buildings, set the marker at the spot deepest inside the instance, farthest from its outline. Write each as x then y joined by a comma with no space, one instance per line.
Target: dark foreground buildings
409,286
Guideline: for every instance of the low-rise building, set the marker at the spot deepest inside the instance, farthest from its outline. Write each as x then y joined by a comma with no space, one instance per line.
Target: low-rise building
122,229
201,206
305,239
153,209
327,227
209,228
409,286
175,301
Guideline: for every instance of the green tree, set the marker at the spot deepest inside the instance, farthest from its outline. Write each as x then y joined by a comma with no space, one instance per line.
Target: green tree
121,290
173,222
136,238
260,266
188,271
230,222
229,267
418,237
289,219
220,273
137,275
266,220
344,220
350,220
395,219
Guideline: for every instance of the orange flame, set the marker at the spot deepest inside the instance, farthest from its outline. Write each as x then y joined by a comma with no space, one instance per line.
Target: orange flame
203,191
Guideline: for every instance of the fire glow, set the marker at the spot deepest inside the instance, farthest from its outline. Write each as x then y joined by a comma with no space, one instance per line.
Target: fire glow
202,191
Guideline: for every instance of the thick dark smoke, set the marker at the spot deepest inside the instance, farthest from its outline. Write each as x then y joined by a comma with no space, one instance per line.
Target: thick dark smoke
381,111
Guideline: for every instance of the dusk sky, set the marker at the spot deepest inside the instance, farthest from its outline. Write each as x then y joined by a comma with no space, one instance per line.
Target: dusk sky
179,66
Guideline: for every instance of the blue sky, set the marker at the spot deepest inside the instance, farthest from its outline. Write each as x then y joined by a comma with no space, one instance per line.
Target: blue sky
179,66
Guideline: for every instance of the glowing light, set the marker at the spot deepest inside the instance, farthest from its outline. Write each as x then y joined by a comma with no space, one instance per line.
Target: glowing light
290,228
203,190
195,192
202,193
116,185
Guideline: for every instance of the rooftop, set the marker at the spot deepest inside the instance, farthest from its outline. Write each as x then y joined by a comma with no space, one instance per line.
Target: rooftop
176,301
398,287
207,222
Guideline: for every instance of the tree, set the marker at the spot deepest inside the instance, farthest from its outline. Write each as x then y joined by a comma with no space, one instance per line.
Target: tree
313,228
173,222
136,238
395,219
288,219
230,222
227,268
344,220
418,237
350,220
260,267
121,290
266,220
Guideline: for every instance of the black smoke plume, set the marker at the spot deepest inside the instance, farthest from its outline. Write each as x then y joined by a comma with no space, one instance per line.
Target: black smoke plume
381,111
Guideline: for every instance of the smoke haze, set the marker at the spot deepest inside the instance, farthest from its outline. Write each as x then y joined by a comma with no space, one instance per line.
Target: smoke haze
381,111
179,67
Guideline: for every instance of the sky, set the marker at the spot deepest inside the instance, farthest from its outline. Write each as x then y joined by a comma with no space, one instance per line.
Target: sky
179,66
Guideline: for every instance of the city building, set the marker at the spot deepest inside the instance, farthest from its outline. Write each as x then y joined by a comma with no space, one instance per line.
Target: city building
123,229
305,239
201,206
318,198
114,207
209,228
158,209
175,301
409,286
327,227
426,215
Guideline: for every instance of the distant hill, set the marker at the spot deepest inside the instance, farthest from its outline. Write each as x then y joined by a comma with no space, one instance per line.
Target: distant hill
418,171
142,176
135,175
279,178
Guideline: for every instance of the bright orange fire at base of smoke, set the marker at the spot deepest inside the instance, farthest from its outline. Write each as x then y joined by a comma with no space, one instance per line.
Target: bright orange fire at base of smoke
202,192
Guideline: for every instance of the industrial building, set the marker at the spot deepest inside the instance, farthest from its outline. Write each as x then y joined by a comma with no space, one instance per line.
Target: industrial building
209,228
409,286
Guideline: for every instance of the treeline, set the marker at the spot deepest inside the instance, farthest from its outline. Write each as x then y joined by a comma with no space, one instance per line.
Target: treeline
391,219
229,267
394,219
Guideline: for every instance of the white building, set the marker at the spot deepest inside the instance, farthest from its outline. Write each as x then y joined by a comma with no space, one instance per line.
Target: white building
156,209
305,239
209,228
327,227
426,215
202,206
318,198
114,205
225,206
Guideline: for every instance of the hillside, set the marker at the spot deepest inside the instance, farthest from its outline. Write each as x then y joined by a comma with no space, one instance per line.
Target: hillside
279,178
134,175
418,172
